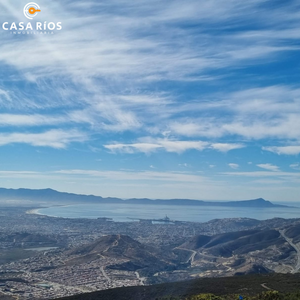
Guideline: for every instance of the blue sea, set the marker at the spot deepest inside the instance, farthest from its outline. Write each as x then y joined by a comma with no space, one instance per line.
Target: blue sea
123,212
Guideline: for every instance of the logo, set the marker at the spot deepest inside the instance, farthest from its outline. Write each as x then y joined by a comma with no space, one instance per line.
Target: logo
31,10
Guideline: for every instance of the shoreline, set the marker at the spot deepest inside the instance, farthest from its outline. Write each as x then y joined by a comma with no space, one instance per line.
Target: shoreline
34,211
182,214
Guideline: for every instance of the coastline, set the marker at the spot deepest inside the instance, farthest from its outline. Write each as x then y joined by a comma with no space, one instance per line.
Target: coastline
180,213
34,211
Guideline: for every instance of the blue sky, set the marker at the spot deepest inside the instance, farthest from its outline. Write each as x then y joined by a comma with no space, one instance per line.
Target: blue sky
195,99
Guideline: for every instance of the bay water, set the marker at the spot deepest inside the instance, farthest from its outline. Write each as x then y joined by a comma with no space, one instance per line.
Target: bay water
127,212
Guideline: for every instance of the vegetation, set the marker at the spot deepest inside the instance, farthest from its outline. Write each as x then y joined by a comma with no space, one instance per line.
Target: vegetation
269,295
7,256
251,287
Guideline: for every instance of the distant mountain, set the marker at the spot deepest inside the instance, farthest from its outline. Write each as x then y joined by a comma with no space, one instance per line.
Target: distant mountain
50,195
244,203
55,197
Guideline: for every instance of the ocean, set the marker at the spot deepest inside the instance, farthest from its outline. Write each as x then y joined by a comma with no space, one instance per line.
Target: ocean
123,212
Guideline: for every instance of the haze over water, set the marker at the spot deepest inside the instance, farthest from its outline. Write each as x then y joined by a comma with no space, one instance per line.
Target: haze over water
121,212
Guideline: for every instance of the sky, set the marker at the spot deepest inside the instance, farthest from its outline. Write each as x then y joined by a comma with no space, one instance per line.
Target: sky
160,99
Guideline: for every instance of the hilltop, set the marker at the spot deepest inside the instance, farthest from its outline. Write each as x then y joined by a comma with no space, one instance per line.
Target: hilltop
136,256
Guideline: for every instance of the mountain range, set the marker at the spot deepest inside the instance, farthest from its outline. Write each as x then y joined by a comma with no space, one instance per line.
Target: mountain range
49,195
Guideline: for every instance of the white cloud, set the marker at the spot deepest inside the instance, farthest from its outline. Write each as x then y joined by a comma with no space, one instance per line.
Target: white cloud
182,146
257,174
4,94
132,148
184,165
160,144
287,150
51,138
148,145
137,175
269,167
225,147
295,166
196,128
258,113
30,120
233,166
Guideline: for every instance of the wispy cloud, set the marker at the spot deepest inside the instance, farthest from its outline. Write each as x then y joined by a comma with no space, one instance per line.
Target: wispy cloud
51,138
287,150
148,145
233,166
258,174
295,166
225,147
269,167
257,114
30,120
167,145
96,55
4,94
137,176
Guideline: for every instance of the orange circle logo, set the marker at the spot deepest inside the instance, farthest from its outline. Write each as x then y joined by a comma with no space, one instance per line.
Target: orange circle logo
31,10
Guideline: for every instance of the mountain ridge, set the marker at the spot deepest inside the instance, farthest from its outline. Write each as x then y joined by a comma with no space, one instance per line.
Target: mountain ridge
53,195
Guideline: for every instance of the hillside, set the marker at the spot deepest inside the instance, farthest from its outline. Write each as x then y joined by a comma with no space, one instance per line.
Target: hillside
245,285
293,232
138,256
235,243
228,254
119,246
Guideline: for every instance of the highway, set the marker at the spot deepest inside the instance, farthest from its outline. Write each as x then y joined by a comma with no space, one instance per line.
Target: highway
192,257
296,247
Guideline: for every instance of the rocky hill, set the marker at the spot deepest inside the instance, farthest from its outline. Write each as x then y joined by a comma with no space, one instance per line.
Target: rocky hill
138,256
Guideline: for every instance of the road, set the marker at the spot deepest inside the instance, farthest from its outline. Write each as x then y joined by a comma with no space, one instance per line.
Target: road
140,279
264,286
192,257
105,275
296,247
